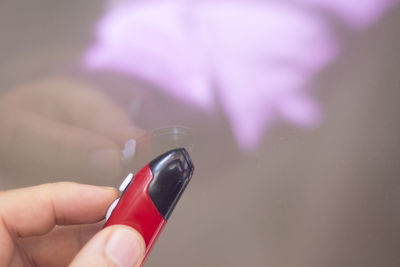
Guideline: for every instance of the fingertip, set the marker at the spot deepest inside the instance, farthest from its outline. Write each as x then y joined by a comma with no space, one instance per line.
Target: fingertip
112,195
78,189
116,245
125,247
110,189
78,203
106,162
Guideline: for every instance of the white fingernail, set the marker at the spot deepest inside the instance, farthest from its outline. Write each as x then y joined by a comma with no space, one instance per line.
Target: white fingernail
124,248
129,150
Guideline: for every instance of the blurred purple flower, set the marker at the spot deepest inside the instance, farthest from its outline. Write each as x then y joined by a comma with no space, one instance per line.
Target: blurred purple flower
255,56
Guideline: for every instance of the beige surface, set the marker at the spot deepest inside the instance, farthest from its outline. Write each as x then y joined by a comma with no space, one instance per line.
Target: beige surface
321,197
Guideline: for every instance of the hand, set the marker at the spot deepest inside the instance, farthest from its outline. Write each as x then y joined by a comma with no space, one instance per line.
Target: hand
64,129
29,235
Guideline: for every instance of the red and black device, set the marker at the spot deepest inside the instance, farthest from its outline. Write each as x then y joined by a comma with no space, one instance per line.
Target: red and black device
149,198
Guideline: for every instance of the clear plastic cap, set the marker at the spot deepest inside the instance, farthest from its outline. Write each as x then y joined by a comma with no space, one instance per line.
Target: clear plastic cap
155,143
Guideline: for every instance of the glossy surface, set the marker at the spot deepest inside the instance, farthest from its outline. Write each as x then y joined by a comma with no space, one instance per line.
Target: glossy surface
172,172
124,185
136,209
155,143
111,208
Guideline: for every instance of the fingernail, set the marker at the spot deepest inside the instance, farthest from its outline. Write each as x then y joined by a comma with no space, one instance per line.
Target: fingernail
110,188
105,163
124,248
129,150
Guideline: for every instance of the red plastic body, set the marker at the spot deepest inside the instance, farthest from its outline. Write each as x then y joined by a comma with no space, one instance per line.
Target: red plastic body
136,209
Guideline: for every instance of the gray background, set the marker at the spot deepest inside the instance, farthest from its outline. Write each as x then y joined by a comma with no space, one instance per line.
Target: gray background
328,196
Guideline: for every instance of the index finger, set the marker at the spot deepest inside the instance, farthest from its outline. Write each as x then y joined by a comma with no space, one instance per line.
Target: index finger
36,210
78,104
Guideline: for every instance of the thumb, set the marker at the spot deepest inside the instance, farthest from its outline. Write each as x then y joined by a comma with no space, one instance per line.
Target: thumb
114,246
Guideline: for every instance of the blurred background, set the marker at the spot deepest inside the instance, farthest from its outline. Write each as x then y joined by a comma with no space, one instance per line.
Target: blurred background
293,107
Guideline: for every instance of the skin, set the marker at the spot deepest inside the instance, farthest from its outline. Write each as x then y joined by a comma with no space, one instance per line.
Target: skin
62,128
55,128
48,225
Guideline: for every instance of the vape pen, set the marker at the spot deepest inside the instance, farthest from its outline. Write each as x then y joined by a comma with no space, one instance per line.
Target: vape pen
149,198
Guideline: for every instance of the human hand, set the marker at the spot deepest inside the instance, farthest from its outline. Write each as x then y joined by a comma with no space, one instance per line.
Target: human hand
62,128
29,235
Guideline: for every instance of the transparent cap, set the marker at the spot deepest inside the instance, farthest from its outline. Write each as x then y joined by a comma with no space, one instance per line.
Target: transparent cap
155,143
